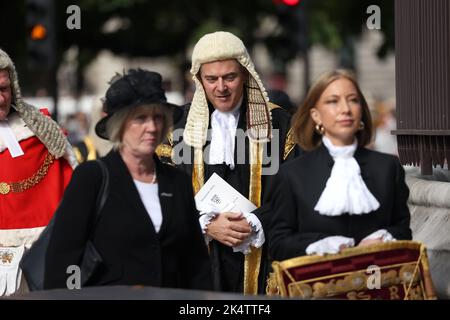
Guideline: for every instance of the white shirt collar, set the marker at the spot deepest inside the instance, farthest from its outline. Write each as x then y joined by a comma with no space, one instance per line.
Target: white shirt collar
235,112
340,151
9,138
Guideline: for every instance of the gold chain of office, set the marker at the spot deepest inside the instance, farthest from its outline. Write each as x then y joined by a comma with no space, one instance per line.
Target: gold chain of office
30,182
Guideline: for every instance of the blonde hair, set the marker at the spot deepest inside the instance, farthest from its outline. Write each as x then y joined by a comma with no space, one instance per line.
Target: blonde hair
303,125
116,124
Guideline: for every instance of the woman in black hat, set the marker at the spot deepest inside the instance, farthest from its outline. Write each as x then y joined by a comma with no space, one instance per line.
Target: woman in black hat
147,232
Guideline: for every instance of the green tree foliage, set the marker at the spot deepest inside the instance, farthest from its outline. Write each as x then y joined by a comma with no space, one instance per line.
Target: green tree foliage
168,27
331,22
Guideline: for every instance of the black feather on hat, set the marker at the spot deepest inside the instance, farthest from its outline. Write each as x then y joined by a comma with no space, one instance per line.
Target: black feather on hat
137,87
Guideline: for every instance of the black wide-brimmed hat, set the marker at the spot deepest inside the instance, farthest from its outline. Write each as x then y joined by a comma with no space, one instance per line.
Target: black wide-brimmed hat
134,88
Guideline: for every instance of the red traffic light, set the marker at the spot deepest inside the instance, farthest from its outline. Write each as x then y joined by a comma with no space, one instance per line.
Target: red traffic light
290,3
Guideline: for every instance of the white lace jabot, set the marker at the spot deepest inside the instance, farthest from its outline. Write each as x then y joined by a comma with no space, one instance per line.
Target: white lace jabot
345,190
223,132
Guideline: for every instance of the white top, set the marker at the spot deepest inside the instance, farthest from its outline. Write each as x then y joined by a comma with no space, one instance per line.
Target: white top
150,198
223,132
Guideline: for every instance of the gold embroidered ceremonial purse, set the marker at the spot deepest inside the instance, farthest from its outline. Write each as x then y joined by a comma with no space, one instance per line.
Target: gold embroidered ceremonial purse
389,271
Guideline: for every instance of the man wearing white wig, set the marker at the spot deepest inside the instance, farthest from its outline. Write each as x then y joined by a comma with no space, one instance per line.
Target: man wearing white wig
230,99
36,164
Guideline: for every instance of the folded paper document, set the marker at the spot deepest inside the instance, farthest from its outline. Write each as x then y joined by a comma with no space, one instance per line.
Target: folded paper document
217,195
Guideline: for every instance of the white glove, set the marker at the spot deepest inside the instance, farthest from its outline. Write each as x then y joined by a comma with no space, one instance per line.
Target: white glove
10,273
382,233
329,245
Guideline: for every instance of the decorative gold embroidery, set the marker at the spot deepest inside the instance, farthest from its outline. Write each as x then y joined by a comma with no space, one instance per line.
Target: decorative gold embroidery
411,276
289,144
170,138
416,293
164,150
6,256
393,292
4,188
92,153
272,288
354,284
353,295
301,290
406,274
389,278
289,140
351,252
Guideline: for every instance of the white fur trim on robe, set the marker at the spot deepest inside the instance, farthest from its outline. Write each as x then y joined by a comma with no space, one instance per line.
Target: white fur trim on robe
17,237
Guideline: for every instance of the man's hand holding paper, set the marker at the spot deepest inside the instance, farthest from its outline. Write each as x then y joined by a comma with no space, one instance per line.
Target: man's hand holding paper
226,216
229,228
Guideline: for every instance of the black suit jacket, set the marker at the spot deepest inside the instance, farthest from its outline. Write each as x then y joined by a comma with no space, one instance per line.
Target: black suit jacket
133,253
299,184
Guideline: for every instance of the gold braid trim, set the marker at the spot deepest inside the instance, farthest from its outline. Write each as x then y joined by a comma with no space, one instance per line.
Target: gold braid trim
289,144
164,150
278,270
273,106
272,288
170,137
350,252
78,155
198,170
430,293
429,287
289,140
92,154
253,259
90,149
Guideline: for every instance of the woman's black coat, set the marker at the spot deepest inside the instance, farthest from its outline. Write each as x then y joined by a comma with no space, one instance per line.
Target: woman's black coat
299,184
133,253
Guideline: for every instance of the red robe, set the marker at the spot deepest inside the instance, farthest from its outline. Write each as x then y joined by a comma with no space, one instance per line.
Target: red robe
24,214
